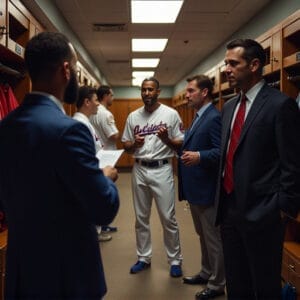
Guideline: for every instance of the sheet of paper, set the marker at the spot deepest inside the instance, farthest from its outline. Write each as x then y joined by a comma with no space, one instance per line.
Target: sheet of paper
108,157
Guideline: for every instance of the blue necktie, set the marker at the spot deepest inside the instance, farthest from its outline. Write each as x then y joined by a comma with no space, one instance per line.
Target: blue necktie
194,122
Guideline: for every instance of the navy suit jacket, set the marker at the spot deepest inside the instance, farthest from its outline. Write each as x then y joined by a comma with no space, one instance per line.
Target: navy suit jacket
197,184
54,194
266,163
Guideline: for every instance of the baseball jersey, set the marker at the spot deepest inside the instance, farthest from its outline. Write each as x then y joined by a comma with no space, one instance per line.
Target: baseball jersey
85,120
105,126
147,124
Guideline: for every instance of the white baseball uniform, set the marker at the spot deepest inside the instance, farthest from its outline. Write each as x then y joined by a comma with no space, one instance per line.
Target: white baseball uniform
85,120
98,145
152,177
105,126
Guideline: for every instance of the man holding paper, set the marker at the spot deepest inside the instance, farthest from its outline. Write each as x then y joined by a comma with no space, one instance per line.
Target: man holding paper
87,104
105,126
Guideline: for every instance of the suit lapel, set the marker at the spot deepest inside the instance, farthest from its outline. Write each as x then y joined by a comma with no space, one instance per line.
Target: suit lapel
226,121
256,107
190,133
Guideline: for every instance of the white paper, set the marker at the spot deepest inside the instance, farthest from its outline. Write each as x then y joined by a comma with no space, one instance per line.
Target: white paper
108,157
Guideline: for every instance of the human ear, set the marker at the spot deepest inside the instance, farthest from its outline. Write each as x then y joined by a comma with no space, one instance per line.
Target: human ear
66,70
255,64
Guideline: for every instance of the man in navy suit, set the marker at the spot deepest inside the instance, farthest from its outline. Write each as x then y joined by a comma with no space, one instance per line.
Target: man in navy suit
198,169
51,186
259,177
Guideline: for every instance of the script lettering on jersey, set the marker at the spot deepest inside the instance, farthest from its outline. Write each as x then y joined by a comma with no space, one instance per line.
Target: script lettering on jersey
149,129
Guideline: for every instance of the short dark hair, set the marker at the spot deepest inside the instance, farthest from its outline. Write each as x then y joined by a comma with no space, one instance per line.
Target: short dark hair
203,82
252,50
44,52
102,91
83,93
153,79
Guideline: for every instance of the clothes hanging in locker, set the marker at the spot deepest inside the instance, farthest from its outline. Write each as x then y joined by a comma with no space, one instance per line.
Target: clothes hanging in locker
3,110
8,101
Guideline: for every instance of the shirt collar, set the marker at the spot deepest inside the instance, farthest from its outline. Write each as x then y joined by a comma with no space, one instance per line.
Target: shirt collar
252,93
202,109
52,98
83,116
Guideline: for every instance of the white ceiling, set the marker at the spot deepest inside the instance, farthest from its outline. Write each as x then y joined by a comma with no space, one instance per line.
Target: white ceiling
201,27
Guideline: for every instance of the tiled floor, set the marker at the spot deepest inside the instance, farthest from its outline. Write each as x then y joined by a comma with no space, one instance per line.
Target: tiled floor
155,283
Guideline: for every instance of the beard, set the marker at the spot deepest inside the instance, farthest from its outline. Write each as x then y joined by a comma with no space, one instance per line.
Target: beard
71,91
149,101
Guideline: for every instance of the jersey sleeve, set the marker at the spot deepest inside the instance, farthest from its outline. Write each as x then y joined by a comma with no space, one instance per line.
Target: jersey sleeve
109,125
128,134
177,131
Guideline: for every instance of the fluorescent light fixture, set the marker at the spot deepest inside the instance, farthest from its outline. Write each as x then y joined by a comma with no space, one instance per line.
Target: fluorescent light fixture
137,81
145,62
158,11
148,45
142,74
139,76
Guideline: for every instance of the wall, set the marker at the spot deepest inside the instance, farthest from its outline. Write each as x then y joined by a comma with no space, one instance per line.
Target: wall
272,14
57,22
135,92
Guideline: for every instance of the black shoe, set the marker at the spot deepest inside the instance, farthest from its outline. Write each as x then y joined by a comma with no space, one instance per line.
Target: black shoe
109,228
208,294
196,279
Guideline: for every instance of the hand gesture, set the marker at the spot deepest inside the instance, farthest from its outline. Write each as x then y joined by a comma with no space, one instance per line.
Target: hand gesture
190,158
139,141
110,172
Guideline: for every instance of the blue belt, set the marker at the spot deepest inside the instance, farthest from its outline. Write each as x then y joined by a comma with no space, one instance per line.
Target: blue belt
152,163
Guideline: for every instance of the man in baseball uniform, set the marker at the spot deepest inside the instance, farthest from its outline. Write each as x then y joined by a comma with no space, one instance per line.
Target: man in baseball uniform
103,121
87,104
152,133
106,130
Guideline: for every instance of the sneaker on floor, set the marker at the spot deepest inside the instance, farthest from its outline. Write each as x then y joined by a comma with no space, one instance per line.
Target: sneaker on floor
176,271
139,266
102,237
109,229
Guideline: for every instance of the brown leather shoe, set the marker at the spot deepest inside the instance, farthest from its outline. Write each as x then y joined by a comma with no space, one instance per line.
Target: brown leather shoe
208,294
196,279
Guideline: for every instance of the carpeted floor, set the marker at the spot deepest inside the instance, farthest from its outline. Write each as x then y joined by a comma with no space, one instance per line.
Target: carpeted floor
119,254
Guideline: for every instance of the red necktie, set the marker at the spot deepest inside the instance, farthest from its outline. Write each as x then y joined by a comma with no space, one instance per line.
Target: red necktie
234,139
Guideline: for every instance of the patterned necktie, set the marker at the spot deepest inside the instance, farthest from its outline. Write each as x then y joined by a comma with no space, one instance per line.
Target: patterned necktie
234,139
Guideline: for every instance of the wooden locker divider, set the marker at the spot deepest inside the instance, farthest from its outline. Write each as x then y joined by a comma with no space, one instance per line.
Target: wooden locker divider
3,23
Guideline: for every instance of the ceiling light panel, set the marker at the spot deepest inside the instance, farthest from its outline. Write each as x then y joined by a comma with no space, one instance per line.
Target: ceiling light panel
137,81
148,45
158,11
142,74
145,62
139,76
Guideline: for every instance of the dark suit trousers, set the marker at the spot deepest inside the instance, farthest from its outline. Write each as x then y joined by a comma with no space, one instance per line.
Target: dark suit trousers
252,257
